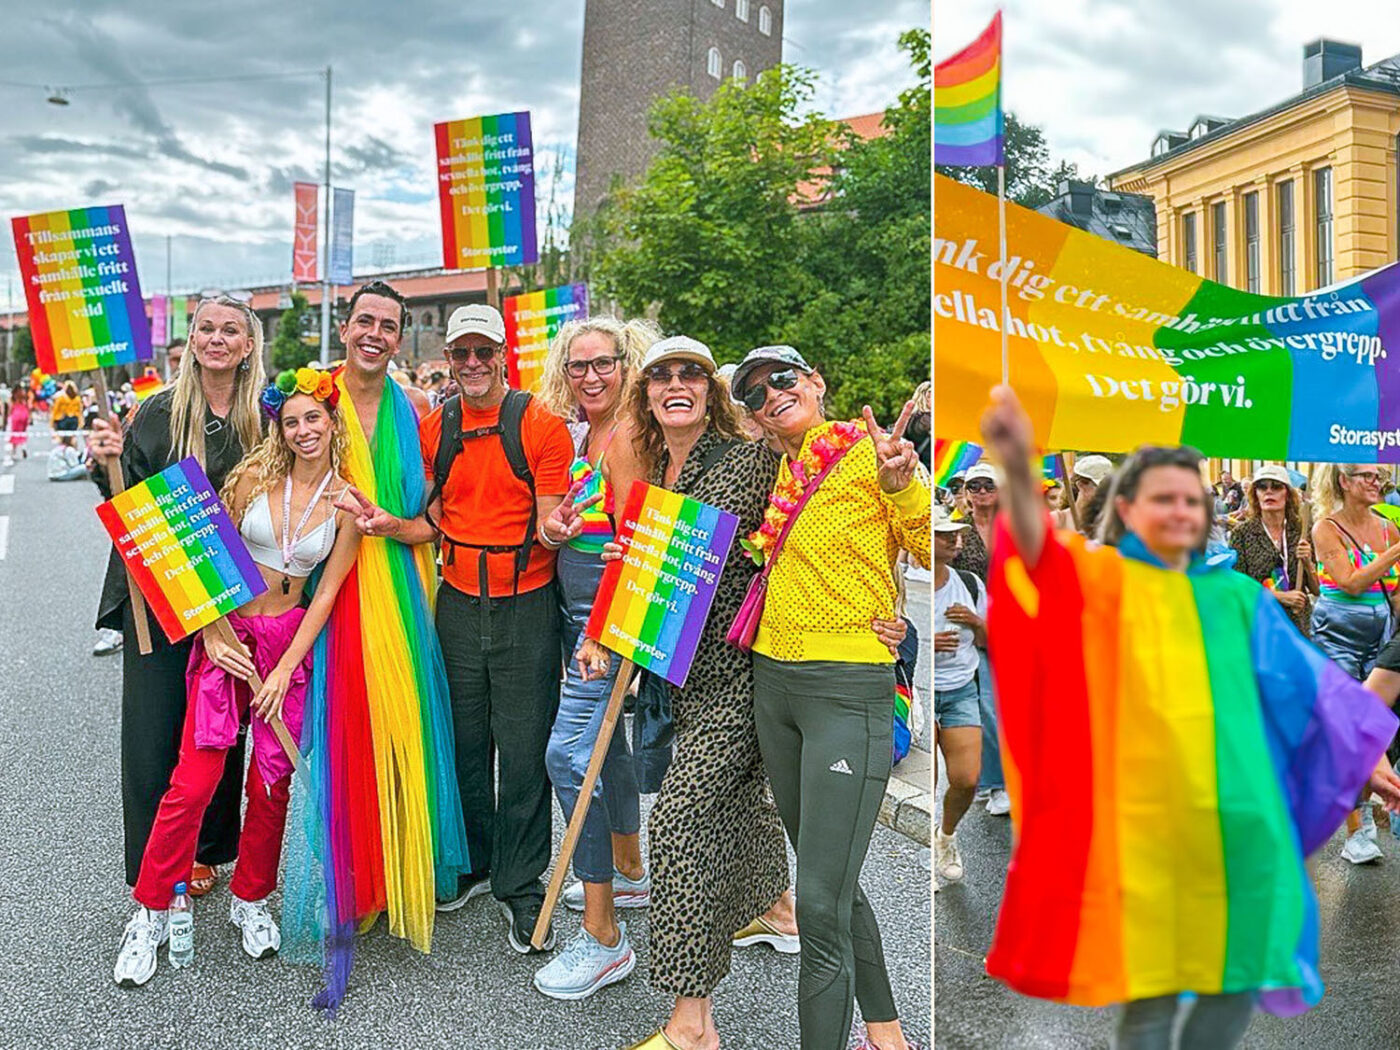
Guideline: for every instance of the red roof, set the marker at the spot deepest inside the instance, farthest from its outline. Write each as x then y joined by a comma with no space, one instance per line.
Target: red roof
816,191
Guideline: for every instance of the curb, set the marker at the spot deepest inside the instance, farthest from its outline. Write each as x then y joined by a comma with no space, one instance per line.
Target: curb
908,803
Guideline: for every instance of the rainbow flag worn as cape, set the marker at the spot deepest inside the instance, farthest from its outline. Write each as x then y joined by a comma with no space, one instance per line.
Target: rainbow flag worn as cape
949,457
1173,748
380,815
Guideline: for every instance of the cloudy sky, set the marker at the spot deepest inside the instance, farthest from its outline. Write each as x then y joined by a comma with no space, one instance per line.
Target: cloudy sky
212,165
1103,77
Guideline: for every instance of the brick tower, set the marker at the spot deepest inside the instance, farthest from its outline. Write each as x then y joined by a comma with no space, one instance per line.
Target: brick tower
635,50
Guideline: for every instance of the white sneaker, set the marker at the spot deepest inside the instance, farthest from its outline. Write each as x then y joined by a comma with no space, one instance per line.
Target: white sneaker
145,932
1368,821
999,805
261,937
1359,849
627,893
108,642
982,795
947,862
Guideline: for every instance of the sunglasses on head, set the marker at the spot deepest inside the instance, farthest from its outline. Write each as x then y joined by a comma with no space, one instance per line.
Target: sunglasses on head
602,366
980,485
460,355
688,372
757,394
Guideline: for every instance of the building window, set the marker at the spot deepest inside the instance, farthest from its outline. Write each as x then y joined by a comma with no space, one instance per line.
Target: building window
1322,191
741,10
1251,241
1286,283
765,21
713,65
1217,222
740,72
1188,241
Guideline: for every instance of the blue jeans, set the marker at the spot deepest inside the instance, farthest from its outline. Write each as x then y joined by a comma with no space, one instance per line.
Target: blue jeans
615,808
991,776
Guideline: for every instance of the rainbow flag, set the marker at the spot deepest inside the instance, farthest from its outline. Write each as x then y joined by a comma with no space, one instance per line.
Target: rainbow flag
79,274
1051,469
968,124
146,384
651,605
176,539
532,320
486,191
597,526
950,457
1125,886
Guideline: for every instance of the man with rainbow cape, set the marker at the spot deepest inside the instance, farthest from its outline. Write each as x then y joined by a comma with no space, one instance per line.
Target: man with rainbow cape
377,819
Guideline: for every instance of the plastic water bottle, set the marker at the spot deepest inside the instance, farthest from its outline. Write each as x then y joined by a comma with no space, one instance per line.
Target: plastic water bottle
181,928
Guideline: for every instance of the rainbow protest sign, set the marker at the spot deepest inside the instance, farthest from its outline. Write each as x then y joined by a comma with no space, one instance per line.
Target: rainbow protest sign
486,191
79,273
180,547
652,604
531,322
1110,349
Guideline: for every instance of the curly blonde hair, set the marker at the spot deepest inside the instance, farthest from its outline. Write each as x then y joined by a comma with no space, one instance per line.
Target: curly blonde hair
271,461
721,416
630,339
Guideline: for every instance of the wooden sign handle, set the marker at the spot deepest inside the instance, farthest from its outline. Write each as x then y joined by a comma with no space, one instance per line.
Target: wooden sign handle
118,484
493,290
225,631
585,796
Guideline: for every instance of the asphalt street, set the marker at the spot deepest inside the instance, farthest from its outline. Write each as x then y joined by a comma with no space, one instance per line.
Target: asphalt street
63,903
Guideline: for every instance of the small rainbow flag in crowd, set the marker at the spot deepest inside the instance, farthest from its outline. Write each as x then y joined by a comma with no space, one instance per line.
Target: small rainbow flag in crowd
968,125
146,384
950,457
178,543
652,604
1051,468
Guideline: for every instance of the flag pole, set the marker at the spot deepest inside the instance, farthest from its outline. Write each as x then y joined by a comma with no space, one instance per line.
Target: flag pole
1001,255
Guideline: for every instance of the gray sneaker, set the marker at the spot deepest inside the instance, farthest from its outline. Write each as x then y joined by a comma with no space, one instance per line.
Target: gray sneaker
627,893
585,965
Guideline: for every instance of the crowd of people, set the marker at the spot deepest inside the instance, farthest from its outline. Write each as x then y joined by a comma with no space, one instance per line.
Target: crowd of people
432,547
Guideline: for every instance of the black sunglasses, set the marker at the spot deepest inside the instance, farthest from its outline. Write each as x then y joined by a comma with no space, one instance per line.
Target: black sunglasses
688,372
757,394
980,485
460,355
1270,486
602,366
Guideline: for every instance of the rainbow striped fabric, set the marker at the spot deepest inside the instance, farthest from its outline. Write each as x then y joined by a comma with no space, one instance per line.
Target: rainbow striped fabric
1173,748
950,457
968,125
597,526
147,384
1377,594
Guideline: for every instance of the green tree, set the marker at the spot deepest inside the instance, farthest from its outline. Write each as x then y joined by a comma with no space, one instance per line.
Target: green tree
1032,177
288,350
710,236
23,351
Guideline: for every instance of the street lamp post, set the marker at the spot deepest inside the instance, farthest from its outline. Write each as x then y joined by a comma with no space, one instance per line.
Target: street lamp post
326,240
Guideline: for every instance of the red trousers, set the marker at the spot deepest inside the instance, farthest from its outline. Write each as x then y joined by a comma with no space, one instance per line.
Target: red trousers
170,849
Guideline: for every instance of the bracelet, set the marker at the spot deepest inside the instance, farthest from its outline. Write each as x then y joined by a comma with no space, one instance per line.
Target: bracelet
547,543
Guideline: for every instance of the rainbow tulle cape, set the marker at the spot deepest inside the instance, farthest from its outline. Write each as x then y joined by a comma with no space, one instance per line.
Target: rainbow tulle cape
1173,748
377,820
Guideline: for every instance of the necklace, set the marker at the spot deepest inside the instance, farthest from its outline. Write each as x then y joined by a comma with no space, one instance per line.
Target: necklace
789,490
289,540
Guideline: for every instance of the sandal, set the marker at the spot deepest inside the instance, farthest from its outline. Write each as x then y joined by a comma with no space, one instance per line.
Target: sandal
203,878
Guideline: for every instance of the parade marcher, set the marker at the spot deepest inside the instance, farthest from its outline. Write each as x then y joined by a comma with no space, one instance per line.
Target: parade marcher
212,414
66,412
586,371
21,408
1086,477
498,463
379,811
1271,548
959,632
301,463
1256,746
1358,578
823,681
66,462
1229,492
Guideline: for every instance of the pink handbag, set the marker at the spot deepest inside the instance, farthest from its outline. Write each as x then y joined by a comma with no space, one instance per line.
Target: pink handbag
745,626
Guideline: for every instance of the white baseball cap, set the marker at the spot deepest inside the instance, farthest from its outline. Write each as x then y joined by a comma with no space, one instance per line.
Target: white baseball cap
679,348
983,470
1093,468
943,521
476,319
1270,472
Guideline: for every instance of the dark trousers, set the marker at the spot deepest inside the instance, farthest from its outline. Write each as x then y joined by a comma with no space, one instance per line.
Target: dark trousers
503,670
153,722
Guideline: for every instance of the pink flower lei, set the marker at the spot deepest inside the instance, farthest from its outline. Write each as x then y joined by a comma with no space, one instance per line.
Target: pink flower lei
787,493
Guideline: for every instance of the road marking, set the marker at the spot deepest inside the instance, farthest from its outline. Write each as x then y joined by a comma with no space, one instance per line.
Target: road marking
4,535
7,484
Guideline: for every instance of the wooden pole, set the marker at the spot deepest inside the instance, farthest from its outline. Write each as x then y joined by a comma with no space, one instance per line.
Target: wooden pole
117,483
493,288
585,796
1067,465
225,631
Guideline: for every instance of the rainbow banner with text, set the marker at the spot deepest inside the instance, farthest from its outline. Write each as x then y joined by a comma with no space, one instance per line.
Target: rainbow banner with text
79,274
486,191
652,604
532,320
181,548
1110,349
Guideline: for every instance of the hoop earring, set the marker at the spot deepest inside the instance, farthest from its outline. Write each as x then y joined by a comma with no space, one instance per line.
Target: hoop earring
243,365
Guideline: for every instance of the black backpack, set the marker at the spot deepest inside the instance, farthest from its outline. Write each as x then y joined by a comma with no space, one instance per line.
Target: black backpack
450,444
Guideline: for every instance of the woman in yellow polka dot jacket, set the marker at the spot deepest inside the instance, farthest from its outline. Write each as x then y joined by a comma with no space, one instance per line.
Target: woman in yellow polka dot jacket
823,683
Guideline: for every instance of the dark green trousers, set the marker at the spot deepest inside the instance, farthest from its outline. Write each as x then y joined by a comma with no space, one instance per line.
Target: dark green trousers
826,732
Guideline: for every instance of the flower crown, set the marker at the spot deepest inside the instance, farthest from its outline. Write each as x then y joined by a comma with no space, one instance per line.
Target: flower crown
320,385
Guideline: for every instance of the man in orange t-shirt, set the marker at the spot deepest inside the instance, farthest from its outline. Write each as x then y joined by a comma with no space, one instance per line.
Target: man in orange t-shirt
497,617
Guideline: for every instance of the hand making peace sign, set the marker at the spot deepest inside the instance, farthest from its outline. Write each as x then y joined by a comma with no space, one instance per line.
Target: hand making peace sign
566,521
369,519
894,456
